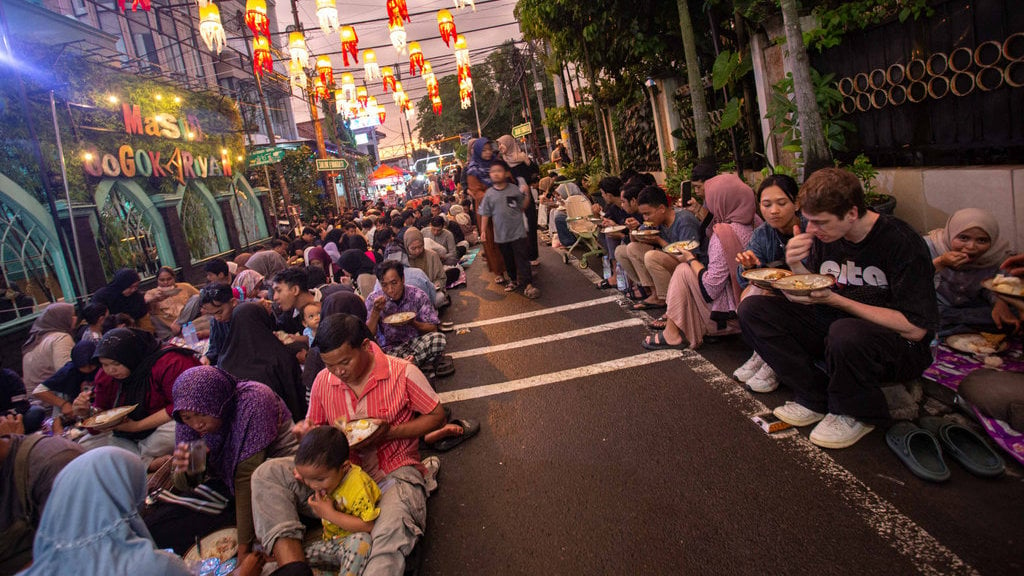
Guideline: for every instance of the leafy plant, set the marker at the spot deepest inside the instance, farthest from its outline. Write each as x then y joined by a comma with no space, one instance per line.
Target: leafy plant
838,17
782,112
728,69
866,173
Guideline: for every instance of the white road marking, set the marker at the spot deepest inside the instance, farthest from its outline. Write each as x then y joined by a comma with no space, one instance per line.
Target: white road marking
548,339
562,376
535,313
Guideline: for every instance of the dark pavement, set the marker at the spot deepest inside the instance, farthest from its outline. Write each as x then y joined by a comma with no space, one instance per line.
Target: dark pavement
655,468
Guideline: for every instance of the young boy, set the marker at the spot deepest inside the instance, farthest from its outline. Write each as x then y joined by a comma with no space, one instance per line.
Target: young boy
504,203
311,320
344,498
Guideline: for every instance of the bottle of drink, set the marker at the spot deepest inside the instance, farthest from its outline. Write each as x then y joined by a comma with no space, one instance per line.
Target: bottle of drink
607,269
621,282
188,332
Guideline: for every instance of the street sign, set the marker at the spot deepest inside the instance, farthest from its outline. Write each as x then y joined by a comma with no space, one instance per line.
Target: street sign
331,165
465,137
265,156
521,130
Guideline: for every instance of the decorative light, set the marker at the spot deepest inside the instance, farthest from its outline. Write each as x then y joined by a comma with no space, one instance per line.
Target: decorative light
436,105
136,4
397,12
261,58
327,13
397,35
348,86
159,96
446,26
465,99
112,99
325,70
321,91
211,29
460,4
433,89
373,107
370,67
349,43
399,94
298,49
177,99
415,58
87,156
362,96
339,102
388,76
461,52
297,75
256,17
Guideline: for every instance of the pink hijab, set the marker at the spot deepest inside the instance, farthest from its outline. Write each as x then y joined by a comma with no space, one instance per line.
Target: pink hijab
731,201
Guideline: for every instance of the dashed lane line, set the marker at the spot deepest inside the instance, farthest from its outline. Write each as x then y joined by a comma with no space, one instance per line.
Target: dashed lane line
548,339
562,376
535,313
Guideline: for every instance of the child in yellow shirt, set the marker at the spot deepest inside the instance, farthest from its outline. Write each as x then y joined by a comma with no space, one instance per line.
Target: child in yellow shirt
344,497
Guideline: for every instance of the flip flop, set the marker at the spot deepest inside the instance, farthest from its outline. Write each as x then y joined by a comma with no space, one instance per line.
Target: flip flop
648,306
604,285
658,324
637,293
657,341
445,366
469,429
966,447
919,450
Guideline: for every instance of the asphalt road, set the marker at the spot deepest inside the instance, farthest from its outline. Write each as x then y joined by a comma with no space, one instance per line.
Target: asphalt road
597,457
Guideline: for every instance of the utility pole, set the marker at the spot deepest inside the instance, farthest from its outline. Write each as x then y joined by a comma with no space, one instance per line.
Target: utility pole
539,87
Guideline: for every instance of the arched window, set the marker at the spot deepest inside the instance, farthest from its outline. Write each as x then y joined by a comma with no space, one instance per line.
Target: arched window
29,277
197,222
126,238
248,214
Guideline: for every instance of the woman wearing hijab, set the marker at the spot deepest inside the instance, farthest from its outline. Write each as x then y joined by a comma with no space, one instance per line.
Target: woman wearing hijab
965,252
358,266
253,352
250,283
122,296
317,256
266,263
243,423
429,262
91,524
48,349
61,389
478,180
337,303
702,299
524,171
166,302
136,370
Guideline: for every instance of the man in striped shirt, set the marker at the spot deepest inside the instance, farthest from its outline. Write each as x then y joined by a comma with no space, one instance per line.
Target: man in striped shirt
359,381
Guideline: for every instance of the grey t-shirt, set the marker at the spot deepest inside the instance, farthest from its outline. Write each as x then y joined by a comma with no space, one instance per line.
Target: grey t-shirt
505,207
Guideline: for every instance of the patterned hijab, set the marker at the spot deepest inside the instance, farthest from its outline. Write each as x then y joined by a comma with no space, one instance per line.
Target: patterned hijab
250,413
56,318
478,167
250,282
963,220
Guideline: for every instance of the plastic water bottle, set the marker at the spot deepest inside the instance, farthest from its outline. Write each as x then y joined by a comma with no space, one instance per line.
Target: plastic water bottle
620,279
188,332
607,271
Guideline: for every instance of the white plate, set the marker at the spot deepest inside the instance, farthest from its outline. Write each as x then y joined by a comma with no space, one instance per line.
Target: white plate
109,418
613,229
975,344
399,318
222,544
678,247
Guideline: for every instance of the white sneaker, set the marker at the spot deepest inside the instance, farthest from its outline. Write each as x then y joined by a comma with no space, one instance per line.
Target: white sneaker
764,381
837,431
749,368
796,415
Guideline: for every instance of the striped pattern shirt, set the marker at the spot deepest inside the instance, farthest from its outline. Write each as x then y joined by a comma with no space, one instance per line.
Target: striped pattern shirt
396,391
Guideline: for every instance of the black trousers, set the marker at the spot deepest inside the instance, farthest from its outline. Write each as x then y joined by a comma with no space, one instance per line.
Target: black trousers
531,232
517,260
858,355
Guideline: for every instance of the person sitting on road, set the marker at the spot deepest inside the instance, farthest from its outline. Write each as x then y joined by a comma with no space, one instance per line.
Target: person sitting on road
93,315
429,262
965,252
777,198
444,237
643,261
122,295
66,384
166,302
47,350
559,218
217,271
291,293
311,320
359,381
416,339
614,215
217,302
885,309
702,299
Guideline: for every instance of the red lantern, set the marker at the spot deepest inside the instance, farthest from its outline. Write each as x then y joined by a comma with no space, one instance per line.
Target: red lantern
381,114
256,17
446,26
261,58
349,44
321,91
325,70
362,96
415,58
136,4
389,78
397,11
436,105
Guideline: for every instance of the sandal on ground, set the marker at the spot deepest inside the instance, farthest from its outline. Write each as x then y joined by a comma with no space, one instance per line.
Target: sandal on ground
657,341
919,450
965,446
445,366
637,293
531,292
511,287
604,285
469,429
500,280
645,305
658,324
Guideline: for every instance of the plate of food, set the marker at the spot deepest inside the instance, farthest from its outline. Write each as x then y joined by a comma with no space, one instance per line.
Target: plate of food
803,284
646,232
1005,286
765,277
612,229
400,318
109,418
358,432
678,247
982,343
222,545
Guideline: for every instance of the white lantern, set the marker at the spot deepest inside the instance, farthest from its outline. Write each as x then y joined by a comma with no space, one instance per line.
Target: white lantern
397,34
297,49
327,13
460,4
370,66
297,75
210,27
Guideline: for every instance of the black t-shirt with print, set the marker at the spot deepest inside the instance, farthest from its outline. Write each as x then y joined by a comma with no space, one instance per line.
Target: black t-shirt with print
890,268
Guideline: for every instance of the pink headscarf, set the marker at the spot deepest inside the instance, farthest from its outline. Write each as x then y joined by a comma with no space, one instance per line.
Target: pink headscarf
731,201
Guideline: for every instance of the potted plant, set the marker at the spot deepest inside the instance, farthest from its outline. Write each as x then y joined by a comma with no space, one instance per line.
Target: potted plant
866,173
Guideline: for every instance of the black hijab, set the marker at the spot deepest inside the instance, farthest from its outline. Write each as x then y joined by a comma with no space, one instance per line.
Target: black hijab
116,302
335,235
355,262
253,352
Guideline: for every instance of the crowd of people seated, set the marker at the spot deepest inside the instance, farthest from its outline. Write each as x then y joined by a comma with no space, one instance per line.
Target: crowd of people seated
343,322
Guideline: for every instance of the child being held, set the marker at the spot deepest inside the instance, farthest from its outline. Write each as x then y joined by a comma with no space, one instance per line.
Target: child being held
344,498
311,320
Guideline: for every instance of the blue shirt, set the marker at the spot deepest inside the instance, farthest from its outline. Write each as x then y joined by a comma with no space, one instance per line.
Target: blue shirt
684,227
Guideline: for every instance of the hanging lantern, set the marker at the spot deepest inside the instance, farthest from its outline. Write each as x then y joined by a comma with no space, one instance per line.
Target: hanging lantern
388,76
399,95
348,86
465,99
297,49
261,58
415,58
325,70
410,113
397,12
466,83
436,105
256,17
375,107
210,27
428,70
327,14
433,89
461,52
370,67
297,74
362,96
460,4
397,35
339,102
446,26
136,4
321,91
349,43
